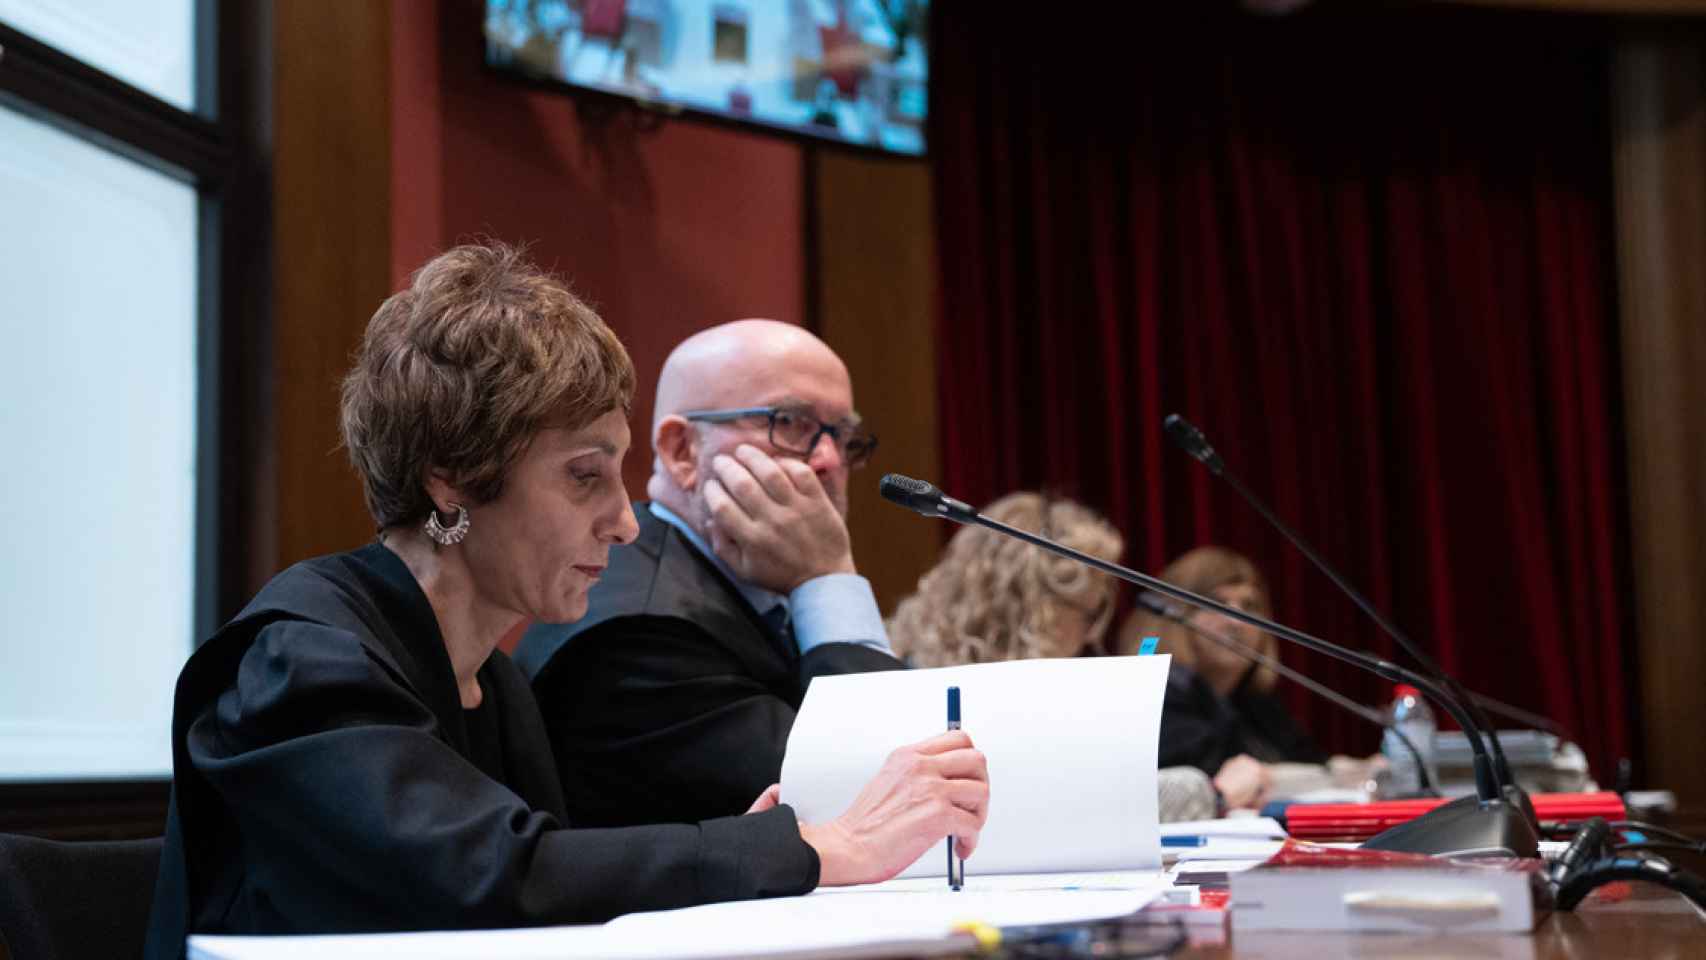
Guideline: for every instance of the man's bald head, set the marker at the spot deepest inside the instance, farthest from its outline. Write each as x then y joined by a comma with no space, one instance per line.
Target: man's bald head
732,364
747,363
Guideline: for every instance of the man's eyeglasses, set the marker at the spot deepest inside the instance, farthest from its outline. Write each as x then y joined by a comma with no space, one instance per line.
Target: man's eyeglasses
795,431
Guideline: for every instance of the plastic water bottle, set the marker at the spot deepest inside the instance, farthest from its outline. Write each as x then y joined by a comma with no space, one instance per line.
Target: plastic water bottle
1410,715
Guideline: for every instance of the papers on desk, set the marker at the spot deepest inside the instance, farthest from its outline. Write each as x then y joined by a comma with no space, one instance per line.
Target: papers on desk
1252,850
1192,871
542,943
845,922
1252,839
1071,747
1230,828
891,920
1014,883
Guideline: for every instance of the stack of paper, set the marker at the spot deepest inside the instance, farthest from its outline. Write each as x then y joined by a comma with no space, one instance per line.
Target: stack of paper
1247,840
1071,746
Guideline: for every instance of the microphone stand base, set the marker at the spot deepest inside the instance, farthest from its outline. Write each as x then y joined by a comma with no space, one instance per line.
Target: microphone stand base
1518,797
1465,827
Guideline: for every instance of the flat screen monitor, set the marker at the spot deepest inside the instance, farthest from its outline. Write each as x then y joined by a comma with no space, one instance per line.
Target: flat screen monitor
851,71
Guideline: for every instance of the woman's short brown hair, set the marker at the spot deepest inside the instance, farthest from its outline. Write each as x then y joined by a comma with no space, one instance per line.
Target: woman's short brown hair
992,597
1203,570
461,369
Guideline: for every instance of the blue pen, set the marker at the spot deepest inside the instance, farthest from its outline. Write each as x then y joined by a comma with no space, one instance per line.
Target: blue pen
1185,840
956,866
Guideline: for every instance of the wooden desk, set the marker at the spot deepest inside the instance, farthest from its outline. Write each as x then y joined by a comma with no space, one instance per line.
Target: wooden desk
1653,924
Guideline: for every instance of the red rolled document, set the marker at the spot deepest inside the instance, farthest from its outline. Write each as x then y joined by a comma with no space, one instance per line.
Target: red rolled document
1359,821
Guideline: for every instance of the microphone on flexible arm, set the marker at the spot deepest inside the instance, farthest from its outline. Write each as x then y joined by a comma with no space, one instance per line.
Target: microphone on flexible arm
1167,611
1484,824
1188,438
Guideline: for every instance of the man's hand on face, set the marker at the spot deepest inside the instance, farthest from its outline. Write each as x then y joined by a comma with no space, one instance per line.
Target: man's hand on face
772,522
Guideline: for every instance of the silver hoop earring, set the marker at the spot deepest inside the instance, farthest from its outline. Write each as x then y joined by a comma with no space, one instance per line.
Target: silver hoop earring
447,536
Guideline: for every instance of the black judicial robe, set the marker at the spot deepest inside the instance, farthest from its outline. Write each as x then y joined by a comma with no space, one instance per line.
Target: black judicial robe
1200,728
327,779
672,699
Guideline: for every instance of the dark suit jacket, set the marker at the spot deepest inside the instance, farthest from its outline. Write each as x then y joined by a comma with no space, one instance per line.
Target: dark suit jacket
327,779
671,701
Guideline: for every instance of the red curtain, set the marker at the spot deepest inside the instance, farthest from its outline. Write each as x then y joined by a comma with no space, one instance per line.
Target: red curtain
1370,256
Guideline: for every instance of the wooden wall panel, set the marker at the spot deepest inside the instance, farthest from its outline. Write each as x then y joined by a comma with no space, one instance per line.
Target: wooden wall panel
1659,103
666,226
332,243
874,275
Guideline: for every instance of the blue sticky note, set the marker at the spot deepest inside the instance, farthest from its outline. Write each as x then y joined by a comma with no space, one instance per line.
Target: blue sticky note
1148,646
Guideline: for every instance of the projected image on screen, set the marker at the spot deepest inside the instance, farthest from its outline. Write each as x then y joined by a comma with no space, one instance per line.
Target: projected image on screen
849,70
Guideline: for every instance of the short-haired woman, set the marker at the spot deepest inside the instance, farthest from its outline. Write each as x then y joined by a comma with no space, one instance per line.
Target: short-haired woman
352,752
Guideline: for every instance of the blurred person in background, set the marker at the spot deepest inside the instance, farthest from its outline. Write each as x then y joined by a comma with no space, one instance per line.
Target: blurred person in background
992,597
1221,715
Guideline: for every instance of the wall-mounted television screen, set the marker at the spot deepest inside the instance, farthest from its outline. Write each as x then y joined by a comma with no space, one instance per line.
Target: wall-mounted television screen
853,71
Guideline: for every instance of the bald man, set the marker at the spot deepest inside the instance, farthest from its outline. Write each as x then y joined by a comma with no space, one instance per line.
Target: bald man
671,700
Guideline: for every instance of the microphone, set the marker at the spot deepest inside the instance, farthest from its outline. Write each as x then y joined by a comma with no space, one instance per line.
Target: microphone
1191,440
1479,825
1166,611
924,498
1188,438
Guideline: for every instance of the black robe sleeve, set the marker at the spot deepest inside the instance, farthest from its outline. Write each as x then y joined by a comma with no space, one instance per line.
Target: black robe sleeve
342,807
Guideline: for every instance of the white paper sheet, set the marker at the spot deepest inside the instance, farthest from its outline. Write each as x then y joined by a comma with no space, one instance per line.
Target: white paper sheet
1014,882
542,943
1212,866
838,922
1228,849
1249,828
846,923
1071,747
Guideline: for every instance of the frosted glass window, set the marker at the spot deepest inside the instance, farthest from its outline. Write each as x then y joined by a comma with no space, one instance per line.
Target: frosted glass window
97,455
149,44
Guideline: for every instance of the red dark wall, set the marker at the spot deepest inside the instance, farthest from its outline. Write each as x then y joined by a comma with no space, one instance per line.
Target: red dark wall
664,231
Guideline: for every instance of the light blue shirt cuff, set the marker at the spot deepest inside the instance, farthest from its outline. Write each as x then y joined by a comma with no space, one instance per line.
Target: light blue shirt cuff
837,608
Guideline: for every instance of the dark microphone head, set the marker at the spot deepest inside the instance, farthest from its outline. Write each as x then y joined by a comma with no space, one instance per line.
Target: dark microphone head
1188,438
924,498
908,492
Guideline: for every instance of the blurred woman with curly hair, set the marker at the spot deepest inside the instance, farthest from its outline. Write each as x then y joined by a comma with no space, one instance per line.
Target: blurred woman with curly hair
996,598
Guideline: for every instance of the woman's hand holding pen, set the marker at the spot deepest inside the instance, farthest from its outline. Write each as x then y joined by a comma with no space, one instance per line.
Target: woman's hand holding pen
925,791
